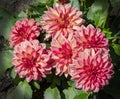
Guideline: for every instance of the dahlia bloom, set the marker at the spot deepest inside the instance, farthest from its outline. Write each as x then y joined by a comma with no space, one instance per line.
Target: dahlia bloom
61,19
24,30
31,60
63,53
63,1
92,72
90,37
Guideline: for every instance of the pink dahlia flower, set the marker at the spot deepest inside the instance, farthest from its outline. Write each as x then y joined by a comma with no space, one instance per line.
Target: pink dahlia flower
61,19
63,1
92,72
90,37
31,60
24,30
63,53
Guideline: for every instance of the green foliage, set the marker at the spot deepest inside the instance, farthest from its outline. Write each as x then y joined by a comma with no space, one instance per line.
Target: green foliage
13,74
43,1
116,48
21,15
71,83
5,60
6,22
52,93
37,85
36,10
107,32
22,91
81,96
98,12
72,93
75,3
114,2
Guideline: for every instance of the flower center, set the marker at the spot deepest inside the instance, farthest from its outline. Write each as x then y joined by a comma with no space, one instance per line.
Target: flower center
27,62
91,71
66,53
63,21
23,33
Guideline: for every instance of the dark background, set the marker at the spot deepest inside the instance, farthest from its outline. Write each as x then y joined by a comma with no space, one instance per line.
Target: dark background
15,5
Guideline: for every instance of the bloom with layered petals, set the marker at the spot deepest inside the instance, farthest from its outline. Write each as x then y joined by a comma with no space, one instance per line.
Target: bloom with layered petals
31,60
92,72
61,19
90,37
63,1
63,53
24,30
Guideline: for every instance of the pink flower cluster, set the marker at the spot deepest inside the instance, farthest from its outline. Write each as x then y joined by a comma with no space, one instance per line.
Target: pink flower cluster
76,50
31,58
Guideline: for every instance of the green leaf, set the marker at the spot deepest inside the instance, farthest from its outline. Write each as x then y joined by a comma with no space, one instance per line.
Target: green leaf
75,3
37,85
98,12
43,1
46,1
22,91
72,93
37,10
5,60
82,95
6,22
22,14
71,83
52,93
116,48
107,32
13,74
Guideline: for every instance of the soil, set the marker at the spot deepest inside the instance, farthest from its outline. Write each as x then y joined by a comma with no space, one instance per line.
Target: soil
15,5
6,85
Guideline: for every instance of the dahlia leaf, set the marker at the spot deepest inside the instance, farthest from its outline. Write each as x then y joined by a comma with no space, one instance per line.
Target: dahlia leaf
107,33
5,60
22,14
42,1
37,85
116,49
98,12
52,93
22,91
13,74
71,83
82,95
7,20
75,3
72,93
